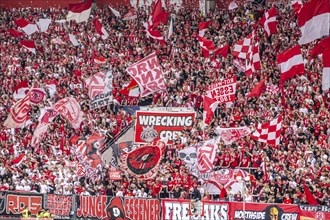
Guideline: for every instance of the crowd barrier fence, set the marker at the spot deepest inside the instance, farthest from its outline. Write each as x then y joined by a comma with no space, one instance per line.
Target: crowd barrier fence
106,207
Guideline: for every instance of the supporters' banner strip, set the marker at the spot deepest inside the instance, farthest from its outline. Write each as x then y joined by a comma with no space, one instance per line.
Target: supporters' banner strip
115,175
143,162
153,126
263,211
230,135
104,97
182,209
16,203
70,109
103,207
59,205
148,74
223,91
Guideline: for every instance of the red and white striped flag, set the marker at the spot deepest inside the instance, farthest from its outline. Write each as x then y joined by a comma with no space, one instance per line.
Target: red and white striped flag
323,48
100,29
132,89
269,133
70,109
29,45
206,155
243,47
21,90
313,20
18,160
291,63
206,45
210,105
268,21
202,26
100,60
253,62
26,26
15,33
79,12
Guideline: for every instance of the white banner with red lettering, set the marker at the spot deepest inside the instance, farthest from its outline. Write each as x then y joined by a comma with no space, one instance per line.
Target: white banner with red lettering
70,109
206,156
223,91
148,74
152,126
230,135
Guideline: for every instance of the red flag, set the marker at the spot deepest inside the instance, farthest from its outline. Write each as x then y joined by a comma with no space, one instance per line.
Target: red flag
206,45
268,21
297,5
29,45
21,90
130,15
253,63
79,12
257,90
132,90
223,51
100,29
313,20
291,63
15,33
243,47
210,105
18,160
26,26
155,34
202,26
155,17
309,196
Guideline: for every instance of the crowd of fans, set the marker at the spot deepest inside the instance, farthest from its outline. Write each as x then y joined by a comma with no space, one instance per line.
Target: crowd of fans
301,158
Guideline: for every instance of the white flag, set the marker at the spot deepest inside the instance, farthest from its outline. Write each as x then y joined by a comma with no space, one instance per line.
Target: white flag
74,40
170,29
43,24
115,12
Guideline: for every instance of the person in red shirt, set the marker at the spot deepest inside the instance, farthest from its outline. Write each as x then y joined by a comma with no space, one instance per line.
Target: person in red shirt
156,187
287,199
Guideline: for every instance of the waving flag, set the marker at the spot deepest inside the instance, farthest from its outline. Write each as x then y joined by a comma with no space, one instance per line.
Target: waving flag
37,95
291,63
210,105
232,5
155,34
74,40
297,5
15,33
100,29
157,16
51,87
230,135
206,45
95,84
29,45
148,74
253,62
189,156
70,110
132,89
115,12
130,15
243,47
170,29
223,51
18,160
26,26
21,90
18,113
206,156
269,133
323,48
79,12
309,196
313,20
44,24
268,21
202,26
257,90
100,60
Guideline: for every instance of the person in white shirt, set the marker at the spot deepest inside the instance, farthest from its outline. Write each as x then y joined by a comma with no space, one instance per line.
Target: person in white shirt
119,192
27,186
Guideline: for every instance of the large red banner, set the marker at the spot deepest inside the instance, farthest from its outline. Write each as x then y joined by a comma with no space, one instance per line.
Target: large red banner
223,91
148,74
154,126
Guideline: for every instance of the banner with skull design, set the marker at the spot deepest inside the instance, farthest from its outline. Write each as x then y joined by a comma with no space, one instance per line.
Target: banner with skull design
152,126
189,157
143,162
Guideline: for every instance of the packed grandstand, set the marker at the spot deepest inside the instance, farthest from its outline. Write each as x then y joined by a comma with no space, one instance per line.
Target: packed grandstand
228,106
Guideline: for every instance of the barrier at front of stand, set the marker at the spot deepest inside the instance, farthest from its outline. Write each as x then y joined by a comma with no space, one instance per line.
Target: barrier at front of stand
105,207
